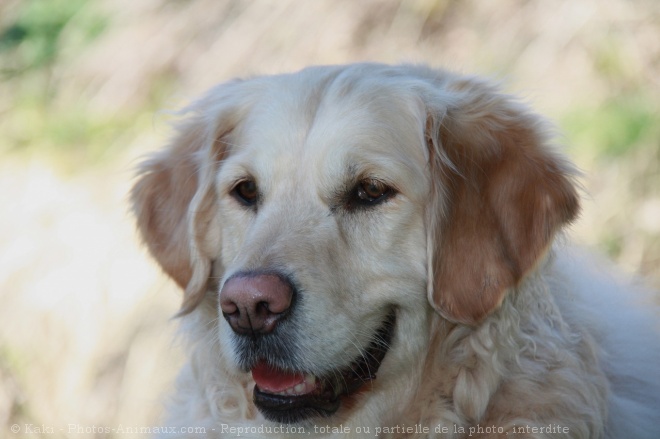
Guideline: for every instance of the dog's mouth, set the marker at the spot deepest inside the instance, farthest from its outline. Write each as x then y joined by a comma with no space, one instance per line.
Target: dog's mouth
292,396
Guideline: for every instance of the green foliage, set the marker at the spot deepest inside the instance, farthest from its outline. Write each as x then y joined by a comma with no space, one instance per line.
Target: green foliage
33,39
39,37
619,126
72,139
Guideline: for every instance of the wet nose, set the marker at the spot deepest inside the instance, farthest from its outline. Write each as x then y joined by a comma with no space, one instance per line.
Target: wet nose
255,303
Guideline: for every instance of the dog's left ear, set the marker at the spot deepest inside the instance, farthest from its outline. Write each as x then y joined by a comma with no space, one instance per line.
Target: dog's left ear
500,195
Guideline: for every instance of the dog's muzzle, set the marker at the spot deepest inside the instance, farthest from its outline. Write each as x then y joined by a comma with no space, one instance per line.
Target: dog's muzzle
255,305
292,396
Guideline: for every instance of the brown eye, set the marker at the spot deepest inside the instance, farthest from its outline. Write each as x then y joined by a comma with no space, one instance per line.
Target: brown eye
246,192
372,191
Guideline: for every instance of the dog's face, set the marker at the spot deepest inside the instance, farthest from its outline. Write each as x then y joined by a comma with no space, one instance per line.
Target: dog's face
334,212
329,197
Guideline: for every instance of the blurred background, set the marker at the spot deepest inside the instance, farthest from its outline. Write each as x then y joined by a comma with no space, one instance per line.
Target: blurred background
86,339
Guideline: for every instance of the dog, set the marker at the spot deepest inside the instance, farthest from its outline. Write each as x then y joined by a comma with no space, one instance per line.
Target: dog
378,251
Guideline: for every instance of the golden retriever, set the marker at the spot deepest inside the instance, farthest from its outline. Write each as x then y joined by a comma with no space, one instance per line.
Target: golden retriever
371,251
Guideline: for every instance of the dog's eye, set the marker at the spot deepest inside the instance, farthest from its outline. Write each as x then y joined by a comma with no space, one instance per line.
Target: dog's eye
246,192
371,191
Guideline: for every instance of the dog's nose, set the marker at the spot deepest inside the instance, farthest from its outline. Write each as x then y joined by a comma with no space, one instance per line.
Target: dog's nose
255,303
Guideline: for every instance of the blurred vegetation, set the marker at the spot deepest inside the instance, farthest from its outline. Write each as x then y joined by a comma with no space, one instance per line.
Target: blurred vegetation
84,331
615,128
38,39
37,36
40,30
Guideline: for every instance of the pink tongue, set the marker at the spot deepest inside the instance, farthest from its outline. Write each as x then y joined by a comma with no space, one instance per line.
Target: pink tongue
273,380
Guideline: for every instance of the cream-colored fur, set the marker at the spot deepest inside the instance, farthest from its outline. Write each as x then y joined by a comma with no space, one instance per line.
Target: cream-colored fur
500,328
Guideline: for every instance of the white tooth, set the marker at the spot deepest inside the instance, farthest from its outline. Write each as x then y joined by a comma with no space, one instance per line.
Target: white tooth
310,379
299,388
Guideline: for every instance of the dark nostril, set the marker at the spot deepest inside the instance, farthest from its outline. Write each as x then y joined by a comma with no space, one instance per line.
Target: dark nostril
228,307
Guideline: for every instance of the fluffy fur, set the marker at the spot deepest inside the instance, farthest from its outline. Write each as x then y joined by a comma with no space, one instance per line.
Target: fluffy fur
500,328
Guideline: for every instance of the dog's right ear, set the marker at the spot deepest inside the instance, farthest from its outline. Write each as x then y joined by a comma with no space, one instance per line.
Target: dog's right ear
174,197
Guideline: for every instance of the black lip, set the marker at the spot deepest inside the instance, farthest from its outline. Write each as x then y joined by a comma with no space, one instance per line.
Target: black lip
291,409
325,402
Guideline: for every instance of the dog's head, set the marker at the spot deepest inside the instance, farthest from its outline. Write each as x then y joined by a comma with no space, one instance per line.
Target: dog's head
333,212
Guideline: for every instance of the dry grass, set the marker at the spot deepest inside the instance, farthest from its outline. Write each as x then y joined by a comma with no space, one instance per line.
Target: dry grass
84,332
